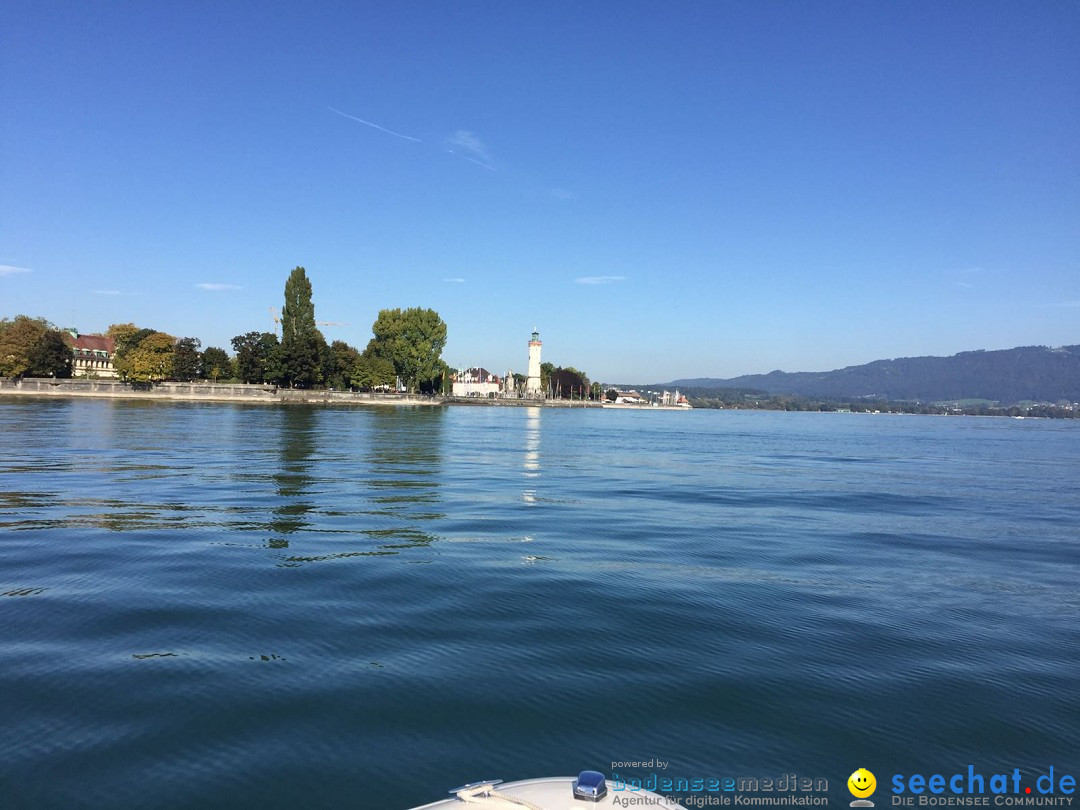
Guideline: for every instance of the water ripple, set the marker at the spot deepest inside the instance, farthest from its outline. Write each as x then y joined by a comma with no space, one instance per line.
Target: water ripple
229,606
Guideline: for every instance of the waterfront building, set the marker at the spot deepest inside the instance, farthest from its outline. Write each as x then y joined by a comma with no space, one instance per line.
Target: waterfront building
532,385
475,382
675,400
92,355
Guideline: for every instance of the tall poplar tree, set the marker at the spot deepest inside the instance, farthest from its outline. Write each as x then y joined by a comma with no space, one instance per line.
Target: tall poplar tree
300,339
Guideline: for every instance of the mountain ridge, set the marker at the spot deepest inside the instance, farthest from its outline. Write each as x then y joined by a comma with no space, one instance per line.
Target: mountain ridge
1024,373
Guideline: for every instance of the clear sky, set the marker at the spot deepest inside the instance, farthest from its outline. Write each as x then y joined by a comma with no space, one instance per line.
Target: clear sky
663,189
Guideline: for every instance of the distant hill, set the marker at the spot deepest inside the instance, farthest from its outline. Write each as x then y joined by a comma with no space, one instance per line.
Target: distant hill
1010,375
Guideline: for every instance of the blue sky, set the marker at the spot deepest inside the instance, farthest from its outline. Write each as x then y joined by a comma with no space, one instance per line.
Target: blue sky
662,189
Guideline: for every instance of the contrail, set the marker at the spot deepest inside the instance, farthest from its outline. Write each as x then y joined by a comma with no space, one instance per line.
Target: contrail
375,126
480,164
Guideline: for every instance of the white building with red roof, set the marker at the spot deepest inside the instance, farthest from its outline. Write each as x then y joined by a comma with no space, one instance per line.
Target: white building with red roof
93,355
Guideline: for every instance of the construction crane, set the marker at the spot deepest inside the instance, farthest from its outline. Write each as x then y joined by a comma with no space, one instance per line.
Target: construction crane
277,321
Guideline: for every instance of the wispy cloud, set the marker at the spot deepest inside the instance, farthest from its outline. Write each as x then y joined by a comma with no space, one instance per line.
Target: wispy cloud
968,277
10,270
561,194
107,292
454,280
462,142
215,287
599,279
374,125
471,148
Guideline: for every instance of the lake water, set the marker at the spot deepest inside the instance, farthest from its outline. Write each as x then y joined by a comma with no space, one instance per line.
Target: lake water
228,606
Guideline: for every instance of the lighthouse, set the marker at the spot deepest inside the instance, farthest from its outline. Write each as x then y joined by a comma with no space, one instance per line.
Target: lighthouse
532,385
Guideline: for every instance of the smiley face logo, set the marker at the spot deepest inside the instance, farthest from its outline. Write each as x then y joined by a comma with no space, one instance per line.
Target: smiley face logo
861,783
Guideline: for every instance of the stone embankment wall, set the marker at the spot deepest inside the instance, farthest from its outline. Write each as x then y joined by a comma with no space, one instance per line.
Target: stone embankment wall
200,391
239,392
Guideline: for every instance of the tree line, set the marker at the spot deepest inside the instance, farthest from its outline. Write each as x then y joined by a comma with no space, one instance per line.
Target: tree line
567,383
405,350
741,398
406,347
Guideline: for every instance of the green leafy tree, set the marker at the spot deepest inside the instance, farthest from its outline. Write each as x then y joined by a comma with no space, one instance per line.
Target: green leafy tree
611,395
214,364
596,391
253,357
248,367
17,340
32,347
251,350
326,361
123,334
546,370
372,370
274,368
51,356
413,340
343,359
186,359
568,383
299,335
438,382
127,337
152,359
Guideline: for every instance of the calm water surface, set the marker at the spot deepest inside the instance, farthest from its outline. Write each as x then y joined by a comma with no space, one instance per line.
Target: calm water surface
214,605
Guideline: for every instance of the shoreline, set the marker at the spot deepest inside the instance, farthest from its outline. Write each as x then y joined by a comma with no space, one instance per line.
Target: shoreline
198,392
261,394
247,393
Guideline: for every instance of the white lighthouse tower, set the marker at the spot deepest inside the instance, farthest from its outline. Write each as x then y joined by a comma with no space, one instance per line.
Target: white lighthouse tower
532,385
